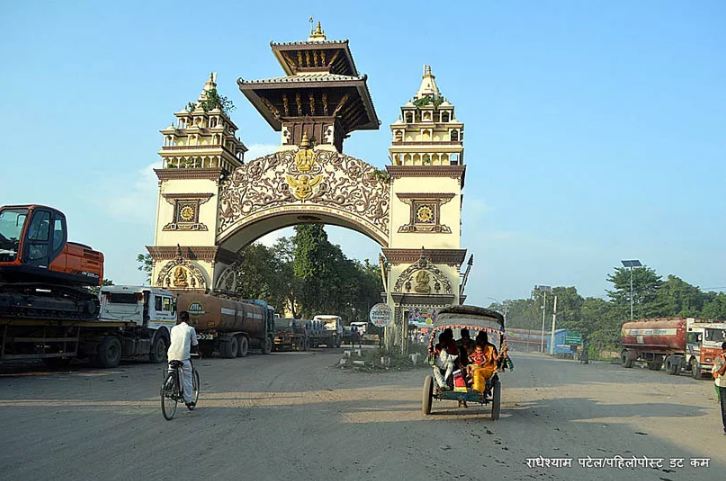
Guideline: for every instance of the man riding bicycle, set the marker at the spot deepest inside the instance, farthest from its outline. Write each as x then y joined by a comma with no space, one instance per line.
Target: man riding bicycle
183,342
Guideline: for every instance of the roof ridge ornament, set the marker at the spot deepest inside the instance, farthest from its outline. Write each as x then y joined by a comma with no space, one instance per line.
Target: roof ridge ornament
428,86
316,34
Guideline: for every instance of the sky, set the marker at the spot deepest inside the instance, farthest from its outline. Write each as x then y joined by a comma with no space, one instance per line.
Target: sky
595,130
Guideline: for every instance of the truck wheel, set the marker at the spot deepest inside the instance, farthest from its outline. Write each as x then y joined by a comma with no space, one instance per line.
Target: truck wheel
244,346
267,346
109,352
229,349
625,360
496,399
427,395
158,349
695,369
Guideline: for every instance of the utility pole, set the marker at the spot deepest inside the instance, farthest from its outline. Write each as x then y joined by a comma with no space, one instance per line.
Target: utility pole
544,309
544,290
554,323
631,264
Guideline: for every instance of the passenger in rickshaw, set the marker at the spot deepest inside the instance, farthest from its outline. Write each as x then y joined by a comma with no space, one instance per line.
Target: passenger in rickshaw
445,355
466,347
483,362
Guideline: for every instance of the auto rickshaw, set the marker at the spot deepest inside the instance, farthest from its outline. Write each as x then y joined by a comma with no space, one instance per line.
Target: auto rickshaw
474,319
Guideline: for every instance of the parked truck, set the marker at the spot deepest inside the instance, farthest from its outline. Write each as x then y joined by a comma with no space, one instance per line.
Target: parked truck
133,324
48,309
679,344
328,330
228,326
291,334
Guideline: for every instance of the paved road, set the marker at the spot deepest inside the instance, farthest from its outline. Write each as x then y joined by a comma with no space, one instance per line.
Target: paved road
291,416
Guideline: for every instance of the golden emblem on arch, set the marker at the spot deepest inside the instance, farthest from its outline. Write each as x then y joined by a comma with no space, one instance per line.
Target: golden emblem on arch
302,186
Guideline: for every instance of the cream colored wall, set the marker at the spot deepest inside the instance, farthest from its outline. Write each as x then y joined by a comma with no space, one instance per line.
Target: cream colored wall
207,213
401,213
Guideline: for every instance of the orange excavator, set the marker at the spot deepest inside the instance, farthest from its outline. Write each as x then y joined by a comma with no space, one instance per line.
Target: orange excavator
42,275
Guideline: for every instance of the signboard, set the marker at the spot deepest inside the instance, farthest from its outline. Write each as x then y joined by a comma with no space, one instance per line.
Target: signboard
381,315
573,338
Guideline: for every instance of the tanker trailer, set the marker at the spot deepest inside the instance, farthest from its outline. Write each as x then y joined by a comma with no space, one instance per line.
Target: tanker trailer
228,326
652,340
681,344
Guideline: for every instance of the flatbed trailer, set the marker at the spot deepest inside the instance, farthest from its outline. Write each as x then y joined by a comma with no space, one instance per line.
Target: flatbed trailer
56,342
134,323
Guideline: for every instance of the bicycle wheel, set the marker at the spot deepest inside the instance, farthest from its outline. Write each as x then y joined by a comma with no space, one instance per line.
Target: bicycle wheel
169,396
195,388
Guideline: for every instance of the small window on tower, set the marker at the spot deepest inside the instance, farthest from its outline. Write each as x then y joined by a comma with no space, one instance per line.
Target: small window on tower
454,136
409,117
445,116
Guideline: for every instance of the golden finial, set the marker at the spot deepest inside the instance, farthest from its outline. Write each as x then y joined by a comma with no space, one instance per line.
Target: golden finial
305,141
317,34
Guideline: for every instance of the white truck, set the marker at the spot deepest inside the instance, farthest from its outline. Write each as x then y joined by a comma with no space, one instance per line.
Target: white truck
328,330
134,323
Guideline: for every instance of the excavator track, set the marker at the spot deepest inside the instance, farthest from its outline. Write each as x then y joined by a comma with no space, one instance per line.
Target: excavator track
32,300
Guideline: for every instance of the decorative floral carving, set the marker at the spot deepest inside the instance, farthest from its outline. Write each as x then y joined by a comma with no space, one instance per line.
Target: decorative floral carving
421,273
346,184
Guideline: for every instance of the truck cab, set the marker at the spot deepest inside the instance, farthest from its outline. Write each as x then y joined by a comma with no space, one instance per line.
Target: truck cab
703,344
148,307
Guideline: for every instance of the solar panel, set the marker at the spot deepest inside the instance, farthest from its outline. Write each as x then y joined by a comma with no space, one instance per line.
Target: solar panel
632,263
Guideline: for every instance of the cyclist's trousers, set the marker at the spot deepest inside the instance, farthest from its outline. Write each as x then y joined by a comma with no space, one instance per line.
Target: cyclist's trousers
186,380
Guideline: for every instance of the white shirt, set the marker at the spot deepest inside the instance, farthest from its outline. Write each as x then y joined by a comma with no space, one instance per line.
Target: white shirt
183,337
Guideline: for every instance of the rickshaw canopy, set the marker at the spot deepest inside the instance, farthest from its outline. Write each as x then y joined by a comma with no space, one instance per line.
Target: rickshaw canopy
469,317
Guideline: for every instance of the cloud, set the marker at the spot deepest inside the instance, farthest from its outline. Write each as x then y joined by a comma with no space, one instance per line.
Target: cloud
259,150
133,198
476,205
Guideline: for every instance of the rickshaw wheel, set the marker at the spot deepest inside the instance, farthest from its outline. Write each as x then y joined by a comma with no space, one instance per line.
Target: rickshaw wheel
496,399
428,391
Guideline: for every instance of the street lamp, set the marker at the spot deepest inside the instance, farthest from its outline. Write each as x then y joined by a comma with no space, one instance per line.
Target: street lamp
631,264
544,290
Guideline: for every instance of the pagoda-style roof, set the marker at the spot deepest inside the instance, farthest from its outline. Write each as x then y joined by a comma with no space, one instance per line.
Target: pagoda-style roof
331,56
346,97
321,82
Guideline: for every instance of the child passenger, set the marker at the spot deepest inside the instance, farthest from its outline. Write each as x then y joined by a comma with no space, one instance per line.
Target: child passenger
483,362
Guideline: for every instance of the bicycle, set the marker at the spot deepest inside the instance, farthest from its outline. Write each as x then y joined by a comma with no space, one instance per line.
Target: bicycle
172,390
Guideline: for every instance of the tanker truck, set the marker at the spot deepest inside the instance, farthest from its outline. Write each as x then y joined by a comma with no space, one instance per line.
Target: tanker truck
678,344
228,326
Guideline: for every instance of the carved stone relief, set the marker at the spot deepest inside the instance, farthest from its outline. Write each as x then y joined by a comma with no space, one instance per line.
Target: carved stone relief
312,177
423,277
181,274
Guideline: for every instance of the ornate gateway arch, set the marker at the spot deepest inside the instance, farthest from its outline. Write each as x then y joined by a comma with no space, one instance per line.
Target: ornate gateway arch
212,203
292,186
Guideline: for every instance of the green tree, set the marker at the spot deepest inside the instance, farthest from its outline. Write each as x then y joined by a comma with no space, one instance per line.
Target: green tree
254,272
646,283
314,265
146,264
569,307
679,298
715,306
285,286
